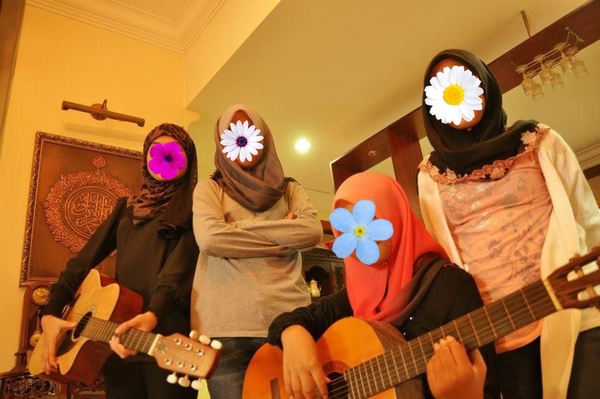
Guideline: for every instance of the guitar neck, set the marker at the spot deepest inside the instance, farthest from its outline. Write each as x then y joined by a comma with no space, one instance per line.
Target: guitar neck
474,330
103,330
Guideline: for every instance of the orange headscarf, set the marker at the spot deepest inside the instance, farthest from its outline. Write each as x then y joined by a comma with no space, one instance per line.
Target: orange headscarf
374,290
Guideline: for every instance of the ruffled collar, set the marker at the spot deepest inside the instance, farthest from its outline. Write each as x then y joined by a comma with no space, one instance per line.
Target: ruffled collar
494,171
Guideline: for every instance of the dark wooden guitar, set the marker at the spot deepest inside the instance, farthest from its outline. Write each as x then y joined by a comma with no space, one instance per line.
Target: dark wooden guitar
365,359
99,307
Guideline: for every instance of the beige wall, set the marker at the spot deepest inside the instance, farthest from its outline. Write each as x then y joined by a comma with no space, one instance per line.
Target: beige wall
220,38
61,59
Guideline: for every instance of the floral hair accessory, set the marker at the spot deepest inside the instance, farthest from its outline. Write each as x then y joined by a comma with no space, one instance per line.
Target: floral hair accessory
242,140
454,95
360,231
167,159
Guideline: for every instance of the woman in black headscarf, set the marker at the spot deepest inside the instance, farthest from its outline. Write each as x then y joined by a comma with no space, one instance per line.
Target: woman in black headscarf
156,257
494,195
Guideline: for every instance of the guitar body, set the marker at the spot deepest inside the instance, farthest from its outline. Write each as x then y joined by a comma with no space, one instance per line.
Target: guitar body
347,343
366,359
80,358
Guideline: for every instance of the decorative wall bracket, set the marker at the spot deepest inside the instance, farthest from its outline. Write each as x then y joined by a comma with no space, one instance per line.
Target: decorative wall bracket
100,112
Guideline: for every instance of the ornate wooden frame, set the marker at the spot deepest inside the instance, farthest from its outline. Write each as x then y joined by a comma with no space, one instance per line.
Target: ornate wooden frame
74,186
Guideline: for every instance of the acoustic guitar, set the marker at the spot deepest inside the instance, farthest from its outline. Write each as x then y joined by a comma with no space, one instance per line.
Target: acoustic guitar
100,305
365,359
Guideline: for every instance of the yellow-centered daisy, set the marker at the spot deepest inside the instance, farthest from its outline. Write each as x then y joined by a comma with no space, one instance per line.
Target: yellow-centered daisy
454,95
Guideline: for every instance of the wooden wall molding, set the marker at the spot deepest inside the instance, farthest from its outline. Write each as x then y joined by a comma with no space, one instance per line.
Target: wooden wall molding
590,157
11,19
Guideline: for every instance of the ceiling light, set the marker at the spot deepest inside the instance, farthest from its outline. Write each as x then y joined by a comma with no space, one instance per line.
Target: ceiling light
302,145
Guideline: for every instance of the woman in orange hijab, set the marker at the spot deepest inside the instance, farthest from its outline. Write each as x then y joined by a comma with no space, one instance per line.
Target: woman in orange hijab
395,273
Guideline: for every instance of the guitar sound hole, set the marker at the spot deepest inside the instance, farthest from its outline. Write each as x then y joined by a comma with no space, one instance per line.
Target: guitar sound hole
337,388
81,325
64,344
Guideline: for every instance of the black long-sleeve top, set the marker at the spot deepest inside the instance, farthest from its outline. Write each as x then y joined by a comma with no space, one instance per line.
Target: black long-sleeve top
160,269
452,294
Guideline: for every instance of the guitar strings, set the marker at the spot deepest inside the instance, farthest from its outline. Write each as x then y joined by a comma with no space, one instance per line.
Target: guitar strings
106,331
537,299
373,368
408,367
359,380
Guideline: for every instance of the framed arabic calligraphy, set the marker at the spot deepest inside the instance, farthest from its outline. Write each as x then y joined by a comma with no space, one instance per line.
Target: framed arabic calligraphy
75,185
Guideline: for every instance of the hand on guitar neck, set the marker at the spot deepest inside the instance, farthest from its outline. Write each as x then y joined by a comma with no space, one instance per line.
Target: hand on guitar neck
55,330
454,374
143,322
75,347
54,327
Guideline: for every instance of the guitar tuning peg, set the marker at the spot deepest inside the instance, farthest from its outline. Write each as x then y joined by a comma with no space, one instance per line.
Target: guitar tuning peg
204,339
172,378
184,381
197,385
194,334
216,345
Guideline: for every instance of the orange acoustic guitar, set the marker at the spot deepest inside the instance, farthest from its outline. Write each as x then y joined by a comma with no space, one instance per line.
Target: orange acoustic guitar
100,305
365,359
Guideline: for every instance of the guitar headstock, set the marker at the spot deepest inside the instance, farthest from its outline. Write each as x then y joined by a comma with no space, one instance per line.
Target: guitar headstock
190,356
577,284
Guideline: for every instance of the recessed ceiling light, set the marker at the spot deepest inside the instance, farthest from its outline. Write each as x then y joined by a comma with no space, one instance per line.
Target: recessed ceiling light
302,145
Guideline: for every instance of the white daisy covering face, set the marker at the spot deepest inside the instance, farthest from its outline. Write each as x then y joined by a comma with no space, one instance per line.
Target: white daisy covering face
454,95
241,140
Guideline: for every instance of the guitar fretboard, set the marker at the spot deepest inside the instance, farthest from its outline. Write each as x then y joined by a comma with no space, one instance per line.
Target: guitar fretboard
103,330
474,330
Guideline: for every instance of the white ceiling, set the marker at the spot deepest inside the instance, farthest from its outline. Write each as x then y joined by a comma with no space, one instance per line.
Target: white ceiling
338,71
173,24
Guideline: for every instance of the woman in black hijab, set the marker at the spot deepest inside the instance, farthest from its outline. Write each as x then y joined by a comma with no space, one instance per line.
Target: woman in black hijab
156,255
494,195
486,141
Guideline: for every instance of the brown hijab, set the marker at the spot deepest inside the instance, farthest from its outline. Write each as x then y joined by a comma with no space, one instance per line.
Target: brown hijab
488,141
171,200
256,188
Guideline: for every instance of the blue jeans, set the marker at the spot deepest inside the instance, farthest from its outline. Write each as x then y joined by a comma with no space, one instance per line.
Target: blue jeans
228,380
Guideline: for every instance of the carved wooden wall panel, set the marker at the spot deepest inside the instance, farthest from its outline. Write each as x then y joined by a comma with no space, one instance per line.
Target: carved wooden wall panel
75,185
